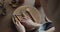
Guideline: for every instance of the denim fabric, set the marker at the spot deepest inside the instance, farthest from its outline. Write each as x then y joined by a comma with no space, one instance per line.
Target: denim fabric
45,27
41,29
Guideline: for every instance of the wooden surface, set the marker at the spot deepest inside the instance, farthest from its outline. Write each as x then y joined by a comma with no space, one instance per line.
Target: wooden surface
6,24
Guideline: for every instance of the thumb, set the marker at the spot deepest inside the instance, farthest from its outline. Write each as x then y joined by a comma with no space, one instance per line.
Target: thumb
20,27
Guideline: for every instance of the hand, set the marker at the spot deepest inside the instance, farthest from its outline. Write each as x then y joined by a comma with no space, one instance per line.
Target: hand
18,25
28,23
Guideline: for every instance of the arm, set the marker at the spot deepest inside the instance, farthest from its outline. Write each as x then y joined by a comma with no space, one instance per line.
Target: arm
51,29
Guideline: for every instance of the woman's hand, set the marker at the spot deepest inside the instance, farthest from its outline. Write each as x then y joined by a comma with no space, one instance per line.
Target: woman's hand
18,25
28,23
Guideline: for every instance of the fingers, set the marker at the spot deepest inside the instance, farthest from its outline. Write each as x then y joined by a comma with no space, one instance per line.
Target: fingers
19,26
17,21
26,22
30,22
13,20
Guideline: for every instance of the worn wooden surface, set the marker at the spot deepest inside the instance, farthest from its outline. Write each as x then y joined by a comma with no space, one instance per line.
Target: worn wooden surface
6,24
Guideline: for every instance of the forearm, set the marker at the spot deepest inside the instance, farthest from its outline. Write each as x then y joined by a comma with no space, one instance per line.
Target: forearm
36,25
51,29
